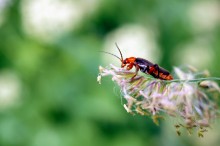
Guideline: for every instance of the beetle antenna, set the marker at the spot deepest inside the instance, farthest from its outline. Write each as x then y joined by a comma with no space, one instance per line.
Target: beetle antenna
111,54
119,52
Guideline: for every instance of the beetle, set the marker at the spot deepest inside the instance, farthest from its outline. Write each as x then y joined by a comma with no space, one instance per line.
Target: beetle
143,65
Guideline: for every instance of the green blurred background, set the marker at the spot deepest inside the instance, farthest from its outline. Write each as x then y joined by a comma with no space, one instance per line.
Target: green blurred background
49,62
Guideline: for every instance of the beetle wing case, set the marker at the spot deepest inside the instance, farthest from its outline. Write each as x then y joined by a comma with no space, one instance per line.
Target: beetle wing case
143,64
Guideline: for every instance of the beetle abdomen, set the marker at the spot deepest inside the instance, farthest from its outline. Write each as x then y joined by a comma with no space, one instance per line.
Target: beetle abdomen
149,68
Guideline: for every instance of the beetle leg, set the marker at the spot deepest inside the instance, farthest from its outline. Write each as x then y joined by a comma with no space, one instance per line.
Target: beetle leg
136,72
130,66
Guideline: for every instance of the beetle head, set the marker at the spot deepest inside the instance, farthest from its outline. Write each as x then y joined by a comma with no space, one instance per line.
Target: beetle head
124,63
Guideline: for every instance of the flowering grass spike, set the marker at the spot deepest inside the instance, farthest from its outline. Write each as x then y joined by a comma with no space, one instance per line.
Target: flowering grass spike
191,98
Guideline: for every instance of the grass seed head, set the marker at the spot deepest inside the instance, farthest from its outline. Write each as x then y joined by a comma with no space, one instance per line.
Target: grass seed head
189,97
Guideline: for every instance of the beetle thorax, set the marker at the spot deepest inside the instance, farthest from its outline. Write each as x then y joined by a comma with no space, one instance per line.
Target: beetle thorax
130,60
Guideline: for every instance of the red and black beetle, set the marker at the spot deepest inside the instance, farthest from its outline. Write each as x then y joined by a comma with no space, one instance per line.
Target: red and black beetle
144,66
